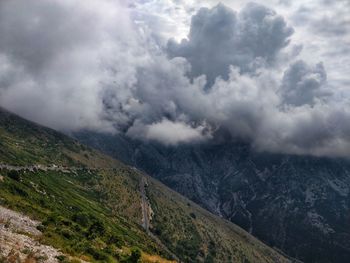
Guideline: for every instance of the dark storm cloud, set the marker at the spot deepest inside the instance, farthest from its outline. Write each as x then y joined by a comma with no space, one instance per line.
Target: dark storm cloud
219,37
86,65
302,84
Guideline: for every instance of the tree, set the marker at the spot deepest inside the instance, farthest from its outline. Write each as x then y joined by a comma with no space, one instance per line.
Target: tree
135,256
14,175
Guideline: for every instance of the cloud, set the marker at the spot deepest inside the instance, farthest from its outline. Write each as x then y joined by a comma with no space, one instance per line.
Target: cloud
323,27
100,66
219,37
55,58
322,130
168,132
303,84
332,24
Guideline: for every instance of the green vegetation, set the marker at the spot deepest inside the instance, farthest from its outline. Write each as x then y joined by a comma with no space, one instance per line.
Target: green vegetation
198,235
25,143
72,216
95,214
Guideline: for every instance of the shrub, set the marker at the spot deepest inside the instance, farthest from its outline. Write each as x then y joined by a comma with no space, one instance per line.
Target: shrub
113,239
51,219
82,219
135,256
62,258
18,190
67,233
97,254
15,175
97,229
40,228
193,215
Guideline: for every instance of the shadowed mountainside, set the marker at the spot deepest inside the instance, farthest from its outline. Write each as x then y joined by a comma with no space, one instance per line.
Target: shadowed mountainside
299,204
90,205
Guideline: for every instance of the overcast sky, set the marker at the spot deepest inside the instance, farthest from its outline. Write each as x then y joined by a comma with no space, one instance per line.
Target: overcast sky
274,73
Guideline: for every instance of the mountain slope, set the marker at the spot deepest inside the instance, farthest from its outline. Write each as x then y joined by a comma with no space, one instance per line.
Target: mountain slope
92,207
299,204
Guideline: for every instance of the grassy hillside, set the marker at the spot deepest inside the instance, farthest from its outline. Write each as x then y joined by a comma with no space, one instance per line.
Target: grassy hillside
90,207
23,142
197,234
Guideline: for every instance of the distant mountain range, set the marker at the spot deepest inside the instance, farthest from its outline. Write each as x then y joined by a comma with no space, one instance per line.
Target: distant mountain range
299,204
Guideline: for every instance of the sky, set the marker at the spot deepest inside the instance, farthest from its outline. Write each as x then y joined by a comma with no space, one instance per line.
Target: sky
273,73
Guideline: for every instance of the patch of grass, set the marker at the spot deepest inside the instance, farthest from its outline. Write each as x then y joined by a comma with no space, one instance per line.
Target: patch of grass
73,217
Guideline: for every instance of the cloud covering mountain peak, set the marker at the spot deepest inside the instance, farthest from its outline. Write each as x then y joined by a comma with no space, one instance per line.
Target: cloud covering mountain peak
97,65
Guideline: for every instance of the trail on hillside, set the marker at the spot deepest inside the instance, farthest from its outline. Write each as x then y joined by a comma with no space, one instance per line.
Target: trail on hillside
146,209
145,204
147,213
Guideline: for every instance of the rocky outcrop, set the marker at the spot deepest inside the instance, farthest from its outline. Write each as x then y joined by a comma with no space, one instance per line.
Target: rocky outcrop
19,239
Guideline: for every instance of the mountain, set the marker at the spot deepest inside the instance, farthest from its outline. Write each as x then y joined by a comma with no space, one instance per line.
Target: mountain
299,204
61,201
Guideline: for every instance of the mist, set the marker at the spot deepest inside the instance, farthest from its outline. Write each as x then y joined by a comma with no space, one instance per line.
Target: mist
106,66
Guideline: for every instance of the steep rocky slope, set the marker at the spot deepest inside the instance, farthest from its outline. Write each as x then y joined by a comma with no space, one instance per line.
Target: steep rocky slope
18,242
93,208
299,204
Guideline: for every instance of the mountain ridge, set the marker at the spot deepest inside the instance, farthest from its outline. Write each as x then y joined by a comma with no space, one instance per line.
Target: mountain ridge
90,205
299,204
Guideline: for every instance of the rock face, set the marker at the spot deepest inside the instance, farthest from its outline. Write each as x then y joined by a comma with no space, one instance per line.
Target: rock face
18,240
298,204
